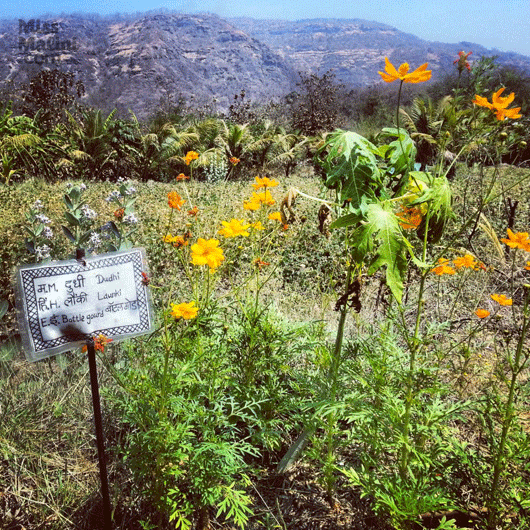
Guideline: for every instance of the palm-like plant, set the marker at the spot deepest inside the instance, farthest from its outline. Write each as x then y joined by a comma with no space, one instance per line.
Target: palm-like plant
91,150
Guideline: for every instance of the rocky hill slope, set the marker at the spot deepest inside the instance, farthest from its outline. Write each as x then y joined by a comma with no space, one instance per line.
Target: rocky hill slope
355,49
137,61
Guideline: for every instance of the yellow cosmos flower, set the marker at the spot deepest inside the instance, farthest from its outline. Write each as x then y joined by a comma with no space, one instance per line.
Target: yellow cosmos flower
517,240
275,216
174,200
527,268
207,252
501,299
499,105
263,197
257,226
264,182
234,228
482,313
186,310
443,267
251,205
466,262
419,75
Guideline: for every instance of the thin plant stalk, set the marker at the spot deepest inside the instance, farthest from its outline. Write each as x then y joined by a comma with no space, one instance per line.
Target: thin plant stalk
499,460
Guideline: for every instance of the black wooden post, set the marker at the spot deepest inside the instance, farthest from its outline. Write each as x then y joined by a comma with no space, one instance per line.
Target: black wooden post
99,434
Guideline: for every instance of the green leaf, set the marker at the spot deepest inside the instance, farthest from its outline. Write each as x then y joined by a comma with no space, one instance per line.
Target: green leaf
381,235
115,230
351,166
4,305
346,220
68,202
30,246
72,219
68,234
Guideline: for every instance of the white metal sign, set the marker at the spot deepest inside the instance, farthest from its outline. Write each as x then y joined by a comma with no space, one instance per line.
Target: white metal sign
61,304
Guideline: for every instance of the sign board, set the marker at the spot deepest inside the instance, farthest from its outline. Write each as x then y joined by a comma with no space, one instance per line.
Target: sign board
61,304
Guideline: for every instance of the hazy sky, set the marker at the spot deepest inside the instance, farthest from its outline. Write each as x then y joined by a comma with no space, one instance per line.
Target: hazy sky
501,24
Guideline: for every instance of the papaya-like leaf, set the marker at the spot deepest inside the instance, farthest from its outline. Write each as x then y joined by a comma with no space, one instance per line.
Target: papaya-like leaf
439,198
381,235
399,153
351,167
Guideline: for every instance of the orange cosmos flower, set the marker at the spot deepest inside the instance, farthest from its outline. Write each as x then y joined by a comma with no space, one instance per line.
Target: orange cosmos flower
419,75
190,155
207,252
100,341
443,267
467,262
259,263
234,160
482,313
234,228
194,211
181,176
517,240
119,214
527,268
501,299
186,310
264,182
499,105
275,216
410,217
174,200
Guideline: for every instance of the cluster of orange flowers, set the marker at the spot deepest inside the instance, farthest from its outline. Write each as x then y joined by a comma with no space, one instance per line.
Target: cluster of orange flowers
176,241
464,262
499,104
190,156
410,217
174,200
100,341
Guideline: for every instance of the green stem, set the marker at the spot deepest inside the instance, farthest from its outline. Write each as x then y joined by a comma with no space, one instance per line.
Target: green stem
499,464
333,376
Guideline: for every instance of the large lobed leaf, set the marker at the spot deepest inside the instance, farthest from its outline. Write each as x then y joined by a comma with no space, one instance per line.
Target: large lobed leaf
381,236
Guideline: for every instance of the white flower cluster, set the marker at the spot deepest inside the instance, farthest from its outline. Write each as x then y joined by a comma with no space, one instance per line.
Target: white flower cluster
130,219
88,213
37,205
47,232
42,252
114,196
43,219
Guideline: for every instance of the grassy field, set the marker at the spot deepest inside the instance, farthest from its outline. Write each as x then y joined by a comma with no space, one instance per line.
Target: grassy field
417,418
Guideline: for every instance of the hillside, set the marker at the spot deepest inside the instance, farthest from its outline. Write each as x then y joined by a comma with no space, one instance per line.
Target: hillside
354,49
134,62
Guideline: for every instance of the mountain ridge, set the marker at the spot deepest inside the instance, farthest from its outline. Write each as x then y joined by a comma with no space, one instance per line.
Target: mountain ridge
135,61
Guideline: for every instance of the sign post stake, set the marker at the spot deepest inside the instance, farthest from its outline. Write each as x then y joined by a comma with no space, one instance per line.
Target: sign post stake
99,434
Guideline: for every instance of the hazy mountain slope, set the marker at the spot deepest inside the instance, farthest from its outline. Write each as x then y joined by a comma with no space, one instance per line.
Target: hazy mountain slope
355,49
132,61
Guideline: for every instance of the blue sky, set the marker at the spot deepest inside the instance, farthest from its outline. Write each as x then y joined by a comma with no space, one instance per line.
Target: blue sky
501,24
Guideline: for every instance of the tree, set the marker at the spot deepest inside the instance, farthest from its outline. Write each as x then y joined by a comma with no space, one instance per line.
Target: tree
48,94
317,108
